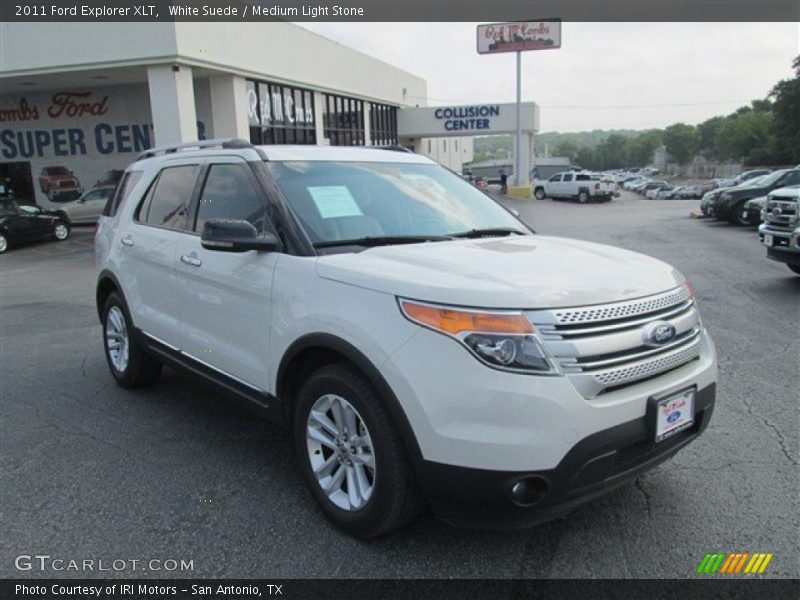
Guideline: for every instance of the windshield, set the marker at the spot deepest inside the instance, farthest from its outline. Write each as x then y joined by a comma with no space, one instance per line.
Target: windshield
764,180
337,201
57,171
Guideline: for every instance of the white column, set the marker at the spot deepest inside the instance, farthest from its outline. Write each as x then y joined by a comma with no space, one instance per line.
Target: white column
172,104
319,109
229,106
367,134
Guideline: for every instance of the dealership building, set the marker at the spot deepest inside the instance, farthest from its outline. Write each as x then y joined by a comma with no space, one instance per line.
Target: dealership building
84,98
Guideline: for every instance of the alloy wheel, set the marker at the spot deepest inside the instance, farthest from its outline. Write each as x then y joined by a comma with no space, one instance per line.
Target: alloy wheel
117,342
340,452
3,243
61,231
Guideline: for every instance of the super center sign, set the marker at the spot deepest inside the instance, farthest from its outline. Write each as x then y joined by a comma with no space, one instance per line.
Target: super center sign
519,37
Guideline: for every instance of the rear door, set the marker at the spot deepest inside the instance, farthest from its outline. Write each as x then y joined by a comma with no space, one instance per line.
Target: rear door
226,297
148,247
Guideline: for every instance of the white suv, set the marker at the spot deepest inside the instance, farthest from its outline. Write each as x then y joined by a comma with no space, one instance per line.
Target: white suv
422,342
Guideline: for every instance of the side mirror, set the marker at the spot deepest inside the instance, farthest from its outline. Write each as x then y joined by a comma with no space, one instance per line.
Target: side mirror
234,235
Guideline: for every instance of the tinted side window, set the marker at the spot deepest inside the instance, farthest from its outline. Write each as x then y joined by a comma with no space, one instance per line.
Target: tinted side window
790,178
169,203
122,191
582,178
229,193
555,178
568,177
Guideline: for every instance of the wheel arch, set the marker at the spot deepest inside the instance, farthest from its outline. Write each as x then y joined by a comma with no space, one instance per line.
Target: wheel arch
106,283
313,351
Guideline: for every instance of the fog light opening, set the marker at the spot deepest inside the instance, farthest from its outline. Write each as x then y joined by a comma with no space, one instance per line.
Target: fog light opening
529,491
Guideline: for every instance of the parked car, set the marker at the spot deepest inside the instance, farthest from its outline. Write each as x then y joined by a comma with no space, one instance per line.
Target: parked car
20,224
731,202
754,209
579,186
723,183
650,185
109,178
420,341
780,231
59,184
747,175
691,192
87,209
669,193
653,192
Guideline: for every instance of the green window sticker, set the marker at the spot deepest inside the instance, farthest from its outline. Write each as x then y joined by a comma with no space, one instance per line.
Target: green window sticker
334,201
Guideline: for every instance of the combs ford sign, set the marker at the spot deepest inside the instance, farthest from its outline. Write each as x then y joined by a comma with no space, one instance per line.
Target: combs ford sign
519,37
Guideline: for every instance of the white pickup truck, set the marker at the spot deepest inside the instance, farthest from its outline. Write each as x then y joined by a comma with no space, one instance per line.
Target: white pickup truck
581,186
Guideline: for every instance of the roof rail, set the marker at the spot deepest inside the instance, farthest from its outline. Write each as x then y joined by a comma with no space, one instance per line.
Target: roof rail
226,143
393,147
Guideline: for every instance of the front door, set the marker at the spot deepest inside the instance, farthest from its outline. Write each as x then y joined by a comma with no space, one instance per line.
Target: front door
225,297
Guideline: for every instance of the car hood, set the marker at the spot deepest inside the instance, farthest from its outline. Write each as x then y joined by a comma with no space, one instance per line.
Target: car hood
519,272
793,191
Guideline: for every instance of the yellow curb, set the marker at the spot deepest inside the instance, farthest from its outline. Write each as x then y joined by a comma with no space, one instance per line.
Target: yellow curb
519,192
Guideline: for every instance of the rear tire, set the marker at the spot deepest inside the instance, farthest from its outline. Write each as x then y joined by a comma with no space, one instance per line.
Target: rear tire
583,197
130,365
362,502
794,268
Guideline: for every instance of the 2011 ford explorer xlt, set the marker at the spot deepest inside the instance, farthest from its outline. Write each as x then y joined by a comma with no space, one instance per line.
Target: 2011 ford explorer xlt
421,341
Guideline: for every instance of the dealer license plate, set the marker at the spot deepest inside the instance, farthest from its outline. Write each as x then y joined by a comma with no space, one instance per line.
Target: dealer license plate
768,239
674,413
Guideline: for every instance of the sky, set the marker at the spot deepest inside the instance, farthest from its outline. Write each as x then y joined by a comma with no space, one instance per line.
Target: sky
604,76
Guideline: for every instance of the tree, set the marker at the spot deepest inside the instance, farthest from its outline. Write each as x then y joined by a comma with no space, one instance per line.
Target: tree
681,141
747,136
786,112
612,152
707,132
639,150
567,148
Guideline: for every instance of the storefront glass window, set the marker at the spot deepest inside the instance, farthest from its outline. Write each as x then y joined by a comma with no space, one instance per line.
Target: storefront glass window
280,114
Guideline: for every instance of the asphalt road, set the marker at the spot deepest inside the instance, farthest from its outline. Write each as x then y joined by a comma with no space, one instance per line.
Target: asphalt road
91,471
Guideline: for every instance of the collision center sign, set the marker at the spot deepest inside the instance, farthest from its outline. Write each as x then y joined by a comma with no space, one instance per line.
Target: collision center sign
519,37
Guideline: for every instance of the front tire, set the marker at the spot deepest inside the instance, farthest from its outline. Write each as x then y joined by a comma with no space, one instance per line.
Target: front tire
3,243
61,231
352,456
739,216
130,365
539,194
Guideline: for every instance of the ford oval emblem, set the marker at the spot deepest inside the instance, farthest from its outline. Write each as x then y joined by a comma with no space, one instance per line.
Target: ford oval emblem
658,333
674,417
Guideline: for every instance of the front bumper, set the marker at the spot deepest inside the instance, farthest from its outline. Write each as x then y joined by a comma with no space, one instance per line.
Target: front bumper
785,246
596,465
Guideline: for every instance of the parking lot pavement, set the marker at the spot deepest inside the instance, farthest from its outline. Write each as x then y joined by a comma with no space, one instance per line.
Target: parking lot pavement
179,472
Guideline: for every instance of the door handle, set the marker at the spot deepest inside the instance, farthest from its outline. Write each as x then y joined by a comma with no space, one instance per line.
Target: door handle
127,241
191,260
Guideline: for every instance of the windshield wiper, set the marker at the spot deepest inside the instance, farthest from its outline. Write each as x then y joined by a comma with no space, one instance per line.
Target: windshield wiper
489,232
386,240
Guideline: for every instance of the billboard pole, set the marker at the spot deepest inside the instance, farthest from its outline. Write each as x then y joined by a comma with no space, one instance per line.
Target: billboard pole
518,153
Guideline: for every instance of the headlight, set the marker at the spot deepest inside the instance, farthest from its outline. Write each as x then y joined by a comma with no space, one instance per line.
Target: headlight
504,340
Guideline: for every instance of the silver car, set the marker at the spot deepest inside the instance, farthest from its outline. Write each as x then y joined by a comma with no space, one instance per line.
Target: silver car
88,208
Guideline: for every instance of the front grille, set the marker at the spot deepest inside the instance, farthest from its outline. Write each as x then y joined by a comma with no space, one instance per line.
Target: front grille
620,310
66,184
603,347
